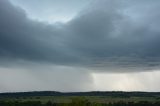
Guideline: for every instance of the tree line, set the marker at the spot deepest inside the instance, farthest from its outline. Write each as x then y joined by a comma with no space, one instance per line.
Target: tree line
94,93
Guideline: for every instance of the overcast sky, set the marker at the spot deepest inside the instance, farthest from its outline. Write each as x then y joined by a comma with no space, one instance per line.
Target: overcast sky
79,45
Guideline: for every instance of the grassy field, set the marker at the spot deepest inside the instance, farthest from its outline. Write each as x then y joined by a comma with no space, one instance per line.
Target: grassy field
52,98
92,99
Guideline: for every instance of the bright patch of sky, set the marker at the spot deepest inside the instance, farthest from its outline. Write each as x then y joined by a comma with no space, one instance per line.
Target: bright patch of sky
142,81
52,11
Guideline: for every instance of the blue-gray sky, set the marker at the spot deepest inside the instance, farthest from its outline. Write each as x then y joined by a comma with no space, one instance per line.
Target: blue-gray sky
73,45
52,11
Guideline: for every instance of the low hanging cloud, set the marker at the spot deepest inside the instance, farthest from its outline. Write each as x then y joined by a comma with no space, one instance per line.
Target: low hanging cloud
108,35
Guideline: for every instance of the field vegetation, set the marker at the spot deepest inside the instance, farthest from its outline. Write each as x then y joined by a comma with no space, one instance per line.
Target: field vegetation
79,101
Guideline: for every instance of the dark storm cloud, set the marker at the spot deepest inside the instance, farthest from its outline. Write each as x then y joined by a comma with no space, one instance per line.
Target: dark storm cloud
109,34
21,38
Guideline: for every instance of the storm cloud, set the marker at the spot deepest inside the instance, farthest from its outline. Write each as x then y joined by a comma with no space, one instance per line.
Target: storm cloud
108,35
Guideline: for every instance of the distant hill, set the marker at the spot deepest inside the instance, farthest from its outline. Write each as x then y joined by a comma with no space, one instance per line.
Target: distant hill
93,93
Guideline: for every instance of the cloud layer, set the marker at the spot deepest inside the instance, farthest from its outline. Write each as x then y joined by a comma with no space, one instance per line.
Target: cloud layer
108,35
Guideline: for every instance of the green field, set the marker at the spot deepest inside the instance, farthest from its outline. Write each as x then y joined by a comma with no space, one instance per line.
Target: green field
92,99
95,98
82,100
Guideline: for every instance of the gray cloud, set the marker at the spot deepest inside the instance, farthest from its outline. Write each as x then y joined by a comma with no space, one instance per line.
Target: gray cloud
107,36
22,38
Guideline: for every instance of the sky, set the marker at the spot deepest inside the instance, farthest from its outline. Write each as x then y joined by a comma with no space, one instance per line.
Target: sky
79,45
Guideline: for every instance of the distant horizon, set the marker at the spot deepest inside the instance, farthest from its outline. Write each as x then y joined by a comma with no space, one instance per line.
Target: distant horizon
81,91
